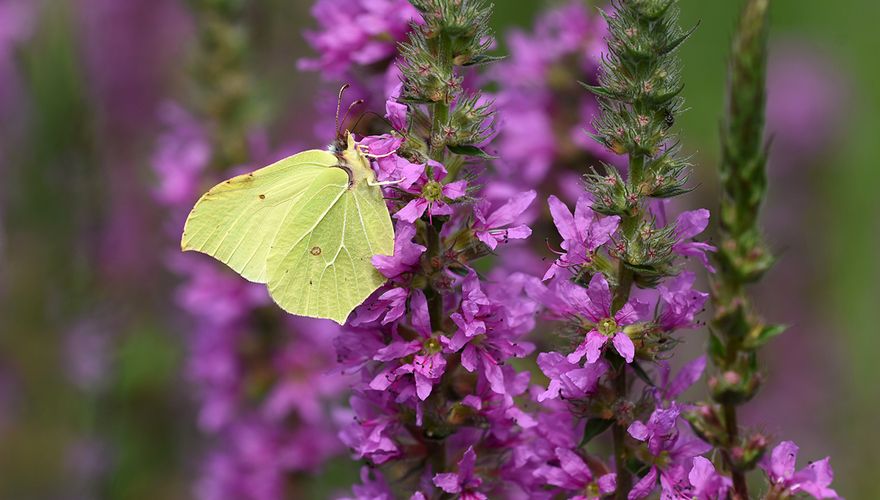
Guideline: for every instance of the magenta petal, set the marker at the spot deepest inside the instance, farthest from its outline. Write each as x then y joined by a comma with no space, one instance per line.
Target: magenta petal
421,320
687,376
493,375
624,346
783,460
563,219
607,483
469,358
519,232
574,465
645,486
413,210
424,386
448,482
638,431
455,190
486,238
600,297
692,223
595,342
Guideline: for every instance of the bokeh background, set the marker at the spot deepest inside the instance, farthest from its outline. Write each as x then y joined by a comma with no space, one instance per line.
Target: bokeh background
95,400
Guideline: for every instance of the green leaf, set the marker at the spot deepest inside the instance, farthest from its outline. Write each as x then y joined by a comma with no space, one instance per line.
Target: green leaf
642,374
483,59
594,427
471,150
766,334
717,350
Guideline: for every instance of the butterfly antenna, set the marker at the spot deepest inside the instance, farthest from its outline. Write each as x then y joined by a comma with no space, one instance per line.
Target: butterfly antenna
373,113
350,107
339,105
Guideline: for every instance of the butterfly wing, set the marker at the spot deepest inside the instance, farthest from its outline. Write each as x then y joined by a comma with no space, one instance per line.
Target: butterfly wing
320,265
238,219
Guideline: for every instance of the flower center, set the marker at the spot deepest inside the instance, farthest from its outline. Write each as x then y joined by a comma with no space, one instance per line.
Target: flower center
608,327
432,191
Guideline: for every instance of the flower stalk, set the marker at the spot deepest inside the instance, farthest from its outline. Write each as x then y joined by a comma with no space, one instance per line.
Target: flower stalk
638,98
743,258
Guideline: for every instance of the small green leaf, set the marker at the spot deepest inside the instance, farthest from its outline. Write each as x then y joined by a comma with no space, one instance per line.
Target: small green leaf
483,59
594,427
642,374
471,151
717,349
764,335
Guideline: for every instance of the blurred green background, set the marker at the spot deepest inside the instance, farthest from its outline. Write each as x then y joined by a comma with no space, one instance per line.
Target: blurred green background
73,169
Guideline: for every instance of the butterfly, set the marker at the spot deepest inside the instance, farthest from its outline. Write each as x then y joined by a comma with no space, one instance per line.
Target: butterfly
306,226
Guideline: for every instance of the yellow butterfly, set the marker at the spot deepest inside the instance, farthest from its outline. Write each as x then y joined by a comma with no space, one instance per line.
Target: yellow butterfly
306,226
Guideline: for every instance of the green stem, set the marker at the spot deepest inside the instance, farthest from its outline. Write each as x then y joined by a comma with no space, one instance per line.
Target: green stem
435,298
618,434
740,487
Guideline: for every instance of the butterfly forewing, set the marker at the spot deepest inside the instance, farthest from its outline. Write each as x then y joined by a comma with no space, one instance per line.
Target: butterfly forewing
237,220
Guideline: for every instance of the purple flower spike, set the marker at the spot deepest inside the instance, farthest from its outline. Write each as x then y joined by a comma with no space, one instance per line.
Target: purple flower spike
687,226
463,482
813,479
582,233
594,303
489,226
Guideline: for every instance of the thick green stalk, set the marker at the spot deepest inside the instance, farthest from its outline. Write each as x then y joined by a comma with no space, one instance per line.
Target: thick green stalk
743,257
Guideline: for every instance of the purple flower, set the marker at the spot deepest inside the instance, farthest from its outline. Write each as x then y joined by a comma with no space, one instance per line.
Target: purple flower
574,474
407,253
395,111
582,233
371,488
374,424
427,365
464,482
431,194
489,226
569,380
688,225
359,32
813,479
706,482
181,157
665,440
594,303
483,336
670,388
680,302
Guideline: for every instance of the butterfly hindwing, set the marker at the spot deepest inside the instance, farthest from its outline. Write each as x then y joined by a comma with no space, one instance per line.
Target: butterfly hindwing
238,219
320,265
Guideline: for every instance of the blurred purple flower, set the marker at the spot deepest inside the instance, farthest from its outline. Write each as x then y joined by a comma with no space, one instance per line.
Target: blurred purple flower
464,482
687,226
359,32
813,480
574,474
663,437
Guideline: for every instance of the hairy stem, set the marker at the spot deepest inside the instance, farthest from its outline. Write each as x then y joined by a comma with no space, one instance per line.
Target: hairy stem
740,487
435,298
618,434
